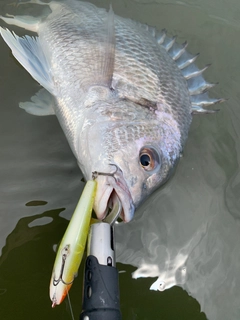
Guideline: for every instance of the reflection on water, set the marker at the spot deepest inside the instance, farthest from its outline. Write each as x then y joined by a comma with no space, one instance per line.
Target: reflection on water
186,234
35,203
25,263
25,269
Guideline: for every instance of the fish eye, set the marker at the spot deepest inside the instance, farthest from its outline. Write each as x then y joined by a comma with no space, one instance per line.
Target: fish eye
149,158
145,160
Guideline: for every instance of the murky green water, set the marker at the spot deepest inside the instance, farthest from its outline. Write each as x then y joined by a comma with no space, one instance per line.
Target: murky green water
187,233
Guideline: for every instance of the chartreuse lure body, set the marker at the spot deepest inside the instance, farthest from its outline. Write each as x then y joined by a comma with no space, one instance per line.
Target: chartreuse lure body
72,246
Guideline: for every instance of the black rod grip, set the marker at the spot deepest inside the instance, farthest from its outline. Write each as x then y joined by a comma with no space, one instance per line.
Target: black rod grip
101,292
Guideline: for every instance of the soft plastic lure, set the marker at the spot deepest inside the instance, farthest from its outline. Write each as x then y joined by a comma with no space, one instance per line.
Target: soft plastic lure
71,249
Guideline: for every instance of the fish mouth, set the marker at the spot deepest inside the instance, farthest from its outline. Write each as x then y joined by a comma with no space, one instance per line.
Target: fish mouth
108,187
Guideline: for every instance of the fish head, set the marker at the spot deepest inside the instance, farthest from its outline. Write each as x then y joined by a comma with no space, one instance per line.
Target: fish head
131,159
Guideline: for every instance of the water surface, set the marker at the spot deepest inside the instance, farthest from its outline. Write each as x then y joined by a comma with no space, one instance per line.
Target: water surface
186,234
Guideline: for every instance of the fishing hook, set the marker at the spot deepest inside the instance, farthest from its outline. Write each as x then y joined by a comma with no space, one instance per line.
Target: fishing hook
60,278
95,174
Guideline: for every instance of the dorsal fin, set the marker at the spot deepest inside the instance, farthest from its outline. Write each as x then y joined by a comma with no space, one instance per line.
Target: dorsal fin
197,85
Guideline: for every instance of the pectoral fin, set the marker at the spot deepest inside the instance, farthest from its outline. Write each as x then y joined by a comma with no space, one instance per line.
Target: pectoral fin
28,51
109,53
100,70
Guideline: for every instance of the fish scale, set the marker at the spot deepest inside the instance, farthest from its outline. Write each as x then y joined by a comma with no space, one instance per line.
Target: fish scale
150,75
121,90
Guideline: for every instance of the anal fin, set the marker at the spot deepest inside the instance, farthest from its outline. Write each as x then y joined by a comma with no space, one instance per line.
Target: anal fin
29,52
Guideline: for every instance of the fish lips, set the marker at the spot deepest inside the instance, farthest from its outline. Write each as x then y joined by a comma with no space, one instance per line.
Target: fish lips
106,186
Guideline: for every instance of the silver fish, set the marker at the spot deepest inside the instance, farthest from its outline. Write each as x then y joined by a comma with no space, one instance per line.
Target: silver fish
123,93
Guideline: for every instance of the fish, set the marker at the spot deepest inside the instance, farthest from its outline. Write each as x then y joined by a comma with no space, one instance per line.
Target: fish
123,92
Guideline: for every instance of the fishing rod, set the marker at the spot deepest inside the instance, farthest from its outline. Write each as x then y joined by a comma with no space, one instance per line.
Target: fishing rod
101,286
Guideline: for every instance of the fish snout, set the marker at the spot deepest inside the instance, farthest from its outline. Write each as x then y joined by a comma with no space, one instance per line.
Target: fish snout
108,186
